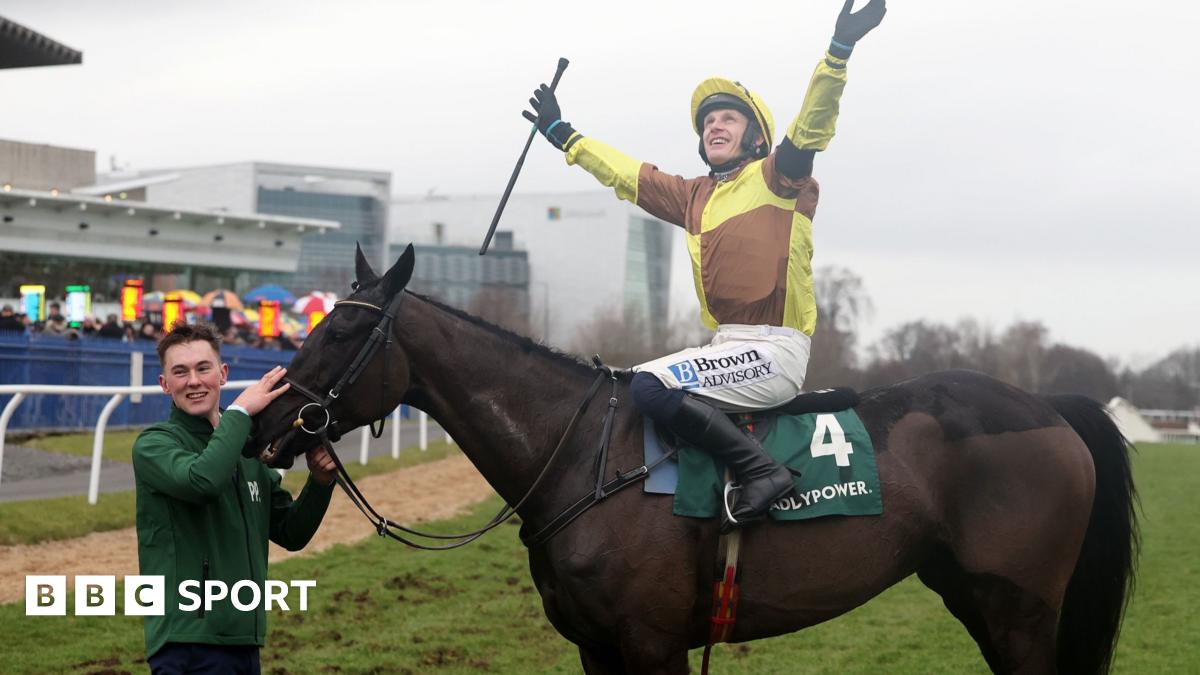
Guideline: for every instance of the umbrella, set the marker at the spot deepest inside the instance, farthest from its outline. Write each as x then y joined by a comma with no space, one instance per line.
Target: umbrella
317,301
229,298
270,292
153,302
191,299
290,327
238,318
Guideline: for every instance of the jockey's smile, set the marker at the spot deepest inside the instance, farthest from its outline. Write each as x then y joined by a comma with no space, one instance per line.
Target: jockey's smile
723,132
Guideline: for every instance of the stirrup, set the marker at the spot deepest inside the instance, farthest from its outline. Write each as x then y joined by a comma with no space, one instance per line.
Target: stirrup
728,501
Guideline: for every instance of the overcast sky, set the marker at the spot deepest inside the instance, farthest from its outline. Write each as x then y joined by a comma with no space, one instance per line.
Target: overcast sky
1006,160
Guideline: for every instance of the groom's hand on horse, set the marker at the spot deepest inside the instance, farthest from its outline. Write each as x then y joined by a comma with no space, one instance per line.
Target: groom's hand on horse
321,466
852,26
548,117
260,394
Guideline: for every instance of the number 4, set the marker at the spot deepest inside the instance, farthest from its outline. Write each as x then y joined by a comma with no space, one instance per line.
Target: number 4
837,445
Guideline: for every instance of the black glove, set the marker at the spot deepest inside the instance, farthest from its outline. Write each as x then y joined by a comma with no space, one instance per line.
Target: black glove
851,27
548,117
545,108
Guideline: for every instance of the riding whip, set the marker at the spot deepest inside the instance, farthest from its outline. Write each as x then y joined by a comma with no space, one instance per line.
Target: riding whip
512,180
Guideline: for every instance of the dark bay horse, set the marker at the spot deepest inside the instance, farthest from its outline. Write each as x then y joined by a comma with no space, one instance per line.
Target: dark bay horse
1017,509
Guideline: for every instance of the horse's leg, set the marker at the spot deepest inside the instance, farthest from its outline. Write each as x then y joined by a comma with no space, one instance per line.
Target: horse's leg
653,657
601,661
1021,626
1005,577
1015,630
947,580
649,654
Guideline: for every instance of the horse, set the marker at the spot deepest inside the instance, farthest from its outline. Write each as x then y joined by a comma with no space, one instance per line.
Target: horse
1018,510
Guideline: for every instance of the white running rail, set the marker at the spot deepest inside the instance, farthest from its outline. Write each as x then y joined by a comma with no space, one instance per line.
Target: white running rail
117,394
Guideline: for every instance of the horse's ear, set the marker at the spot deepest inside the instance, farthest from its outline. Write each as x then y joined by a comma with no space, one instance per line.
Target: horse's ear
397,278
362,269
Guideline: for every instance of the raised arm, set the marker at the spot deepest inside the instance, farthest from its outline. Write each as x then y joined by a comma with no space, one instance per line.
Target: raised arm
662,195
814,126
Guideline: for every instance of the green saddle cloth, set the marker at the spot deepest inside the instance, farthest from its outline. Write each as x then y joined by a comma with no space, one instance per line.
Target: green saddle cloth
832,451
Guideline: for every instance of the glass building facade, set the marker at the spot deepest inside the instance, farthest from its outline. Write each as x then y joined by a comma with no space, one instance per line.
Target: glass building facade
494,286
648,276
327,258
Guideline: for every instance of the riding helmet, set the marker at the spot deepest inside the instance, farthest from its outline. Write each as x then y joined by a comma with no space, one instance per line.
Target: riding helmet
718,92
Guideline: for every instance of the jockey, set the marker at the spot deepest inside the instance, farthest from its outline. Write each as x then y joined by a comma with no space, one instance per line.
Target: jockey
748,225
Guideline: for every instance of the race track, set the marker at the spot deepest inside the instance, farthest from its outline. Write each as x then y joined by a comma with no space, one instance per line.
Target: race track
432,491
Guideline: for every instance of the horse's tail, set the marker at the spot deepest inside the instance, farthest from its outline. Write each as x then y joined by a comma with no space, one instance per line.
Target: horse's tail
1104,574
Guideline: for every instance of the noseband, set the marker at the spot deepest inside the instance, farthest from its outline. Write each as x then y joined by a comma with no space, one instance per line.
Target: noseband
381,336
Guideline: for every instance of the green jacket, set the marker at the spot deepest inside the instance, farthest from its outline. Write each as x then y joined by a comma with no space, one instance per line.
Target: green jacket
205,512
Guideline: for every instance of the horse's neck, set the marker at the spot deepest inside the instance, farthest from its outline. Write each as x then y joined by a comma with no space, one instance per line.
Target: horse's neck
505,406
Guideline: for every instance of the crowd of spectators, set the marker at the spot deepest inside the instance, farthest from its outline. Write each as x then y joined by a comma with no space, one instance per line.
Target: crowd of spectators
111,328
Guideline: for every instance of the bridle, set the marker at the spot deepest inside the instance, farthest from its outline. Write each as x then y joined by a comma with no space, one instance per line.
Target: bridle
327,433
381,337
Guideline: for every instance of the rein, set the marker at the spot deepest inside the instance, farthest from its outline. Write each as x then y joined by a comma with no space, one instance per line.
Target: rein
387,527
603,490
381,337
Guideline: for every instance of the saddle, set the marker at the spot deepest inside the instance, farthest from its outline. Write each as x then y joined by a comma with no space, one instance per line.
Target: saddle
821,401
760,422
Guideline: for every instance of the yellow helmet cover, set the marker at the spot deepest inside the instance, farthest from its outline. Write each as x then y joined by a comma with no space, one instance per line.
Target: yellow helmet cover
720,85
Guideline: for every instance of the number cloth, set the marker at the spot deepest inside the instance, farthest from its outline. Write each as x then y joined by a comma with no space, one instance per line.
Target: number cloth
832,451
749,234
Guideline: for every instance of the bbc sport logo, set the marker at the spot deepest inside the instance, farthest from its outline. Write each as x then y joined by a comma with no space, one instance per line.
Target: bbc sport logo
145,595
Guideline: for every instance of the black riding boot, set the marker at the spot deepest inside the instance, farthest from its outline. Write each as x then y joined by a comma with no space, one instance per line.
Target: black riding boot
763,479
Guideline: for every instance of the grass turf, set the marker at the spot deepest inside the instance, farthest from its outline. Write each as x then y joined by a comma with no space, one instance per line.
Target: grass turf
118,445
381,608
38,520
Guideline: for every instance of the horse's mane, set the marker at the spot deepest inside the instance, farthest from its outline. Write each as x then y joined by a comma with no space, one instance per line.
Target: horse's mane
526,344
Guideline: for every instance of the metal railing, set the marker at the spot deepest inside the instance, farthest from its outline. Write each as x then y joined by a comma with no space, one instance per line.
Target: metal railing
100,362
117,394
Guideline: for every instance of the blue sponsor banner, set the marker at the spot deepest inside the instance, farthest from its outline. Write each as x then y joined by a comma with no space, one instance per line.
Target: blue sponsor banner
26,359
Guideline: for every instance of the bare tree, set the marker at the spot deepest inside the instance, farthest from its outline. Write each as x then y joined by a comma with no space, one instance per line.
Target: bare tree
1069,370
1021,350
842,303
619,337
505,307
685,330
623,338
1021,354
912,349
1172,383
841,298
977,346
